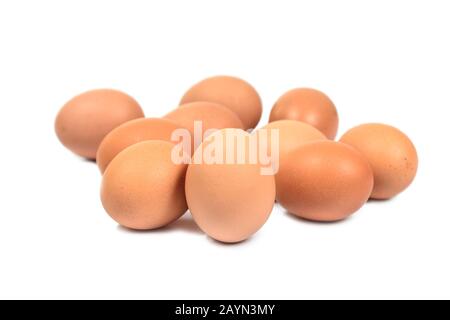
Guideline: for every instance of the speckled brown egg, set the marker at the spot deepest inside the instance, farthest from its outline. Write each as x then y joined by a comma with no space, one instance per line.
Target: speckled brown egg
229,200
310,106
233,93
142,188
390,152
324,181
292,134
211,115
133,132
86,119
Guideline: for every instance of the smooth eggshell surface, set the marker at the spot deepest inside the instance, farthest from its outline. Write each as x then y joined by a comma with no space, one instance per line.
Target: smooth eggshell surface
142,188
310,106
212,116
292,134
229,201
324,181
233,93
390,152
85,120
133,132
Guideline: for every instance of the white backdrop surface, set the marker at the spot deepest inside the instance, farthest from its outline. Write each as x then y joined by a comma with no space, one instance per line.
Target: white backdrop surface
380,61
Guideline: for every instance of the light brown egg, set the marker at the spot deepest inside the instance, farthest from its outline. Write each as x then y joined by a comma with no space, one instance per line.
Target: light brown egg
324,181
390,152
85,120
231,200
133,132
292,134
142,188
233,93
212,116
310,106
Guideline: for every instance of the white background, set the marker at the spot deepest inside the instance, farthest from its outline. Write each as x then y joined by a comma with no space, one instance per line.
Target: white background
385,61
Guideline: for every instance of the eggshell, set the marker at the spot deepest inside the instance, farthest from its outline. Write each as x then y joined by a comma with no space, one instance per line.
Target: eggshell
212,116
292,134
324,181
310,106
142,188
85,120
229,201
133,132
234,93
390,152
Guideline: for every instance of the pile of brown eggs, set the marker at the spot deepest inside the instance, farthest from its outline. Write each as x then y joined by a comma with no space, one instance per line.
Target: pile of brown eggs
316,178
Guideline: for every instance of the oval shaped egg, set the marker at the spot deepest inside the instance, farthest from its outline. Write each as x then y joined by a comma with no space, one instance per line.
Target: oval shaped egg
85,120
233,93
211,115
324,181
310,106
229,200
133,132
142,188
291,135
390,152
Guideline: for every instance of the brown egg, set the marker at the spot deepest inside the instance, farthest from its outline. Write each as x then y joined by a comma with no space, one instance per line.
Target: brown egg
84,121
142,188
234,93
292,134
324,181
133,132
212,116
310,106
229,200
390,152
